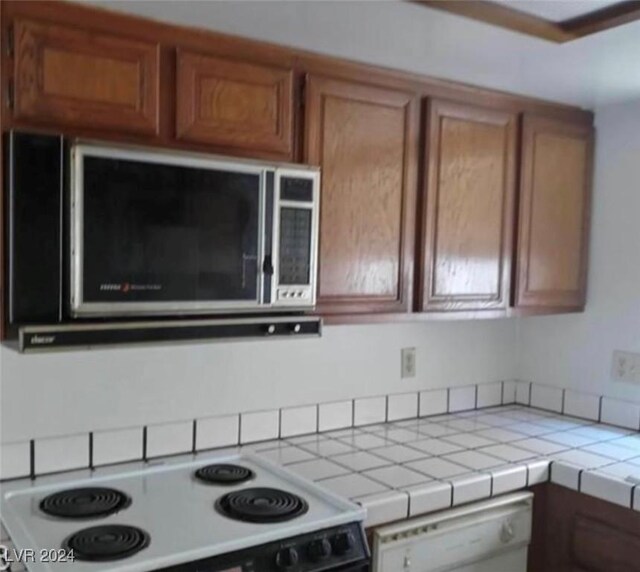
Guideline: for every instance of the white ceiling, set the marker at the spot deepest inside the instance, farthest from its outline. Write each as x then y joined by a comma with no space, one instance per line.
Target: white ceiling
596,70
558,10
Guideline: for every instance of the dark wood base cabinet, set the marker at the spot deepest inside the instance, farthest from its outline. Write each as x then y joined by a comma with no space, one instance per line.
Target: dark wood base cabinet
574,532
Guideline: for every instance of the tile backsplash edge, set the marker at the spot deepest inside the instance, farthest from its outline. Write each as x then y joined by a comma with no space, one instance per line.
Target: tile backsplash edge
205,433
584,405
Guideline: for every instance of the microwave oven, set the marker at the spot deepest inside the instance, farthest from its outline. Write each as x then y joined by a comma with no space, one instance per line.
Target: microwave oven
103,231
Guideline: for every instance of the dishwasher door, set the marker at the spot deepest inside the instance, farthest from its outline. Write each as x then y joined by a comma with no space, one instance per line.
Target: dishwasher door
512,561
490,536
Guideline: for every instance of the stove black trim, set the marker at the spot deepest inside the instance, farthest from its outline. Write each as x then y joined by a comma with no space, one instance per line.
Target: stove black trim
262,558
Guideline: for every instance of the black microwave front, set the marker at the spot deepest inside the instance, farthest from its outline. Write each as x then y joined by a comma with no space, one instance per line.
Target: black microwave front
96,230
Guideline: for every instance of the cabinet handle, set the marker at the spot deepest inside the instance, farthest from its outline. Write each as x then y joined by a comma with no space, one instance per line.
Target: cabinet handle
267,265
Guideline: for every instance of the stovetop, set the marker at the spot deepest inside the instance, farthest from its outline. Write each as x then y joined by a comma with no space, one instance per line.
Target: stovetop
182,514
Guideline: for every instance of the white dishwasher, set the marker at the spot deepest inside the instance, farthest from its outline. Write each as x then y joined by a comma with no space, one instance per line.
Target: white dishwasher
489,536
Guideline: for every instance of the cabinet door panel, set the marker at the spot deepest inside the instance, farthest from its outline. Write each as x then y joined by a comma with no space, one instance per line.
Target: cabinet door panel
73,77
575,532
554,214
235,104
468,211
364,138
602,547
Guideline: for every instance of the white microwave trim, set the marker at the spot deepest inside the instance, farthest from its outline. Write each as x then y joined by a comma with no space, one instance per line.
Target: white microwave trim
80,308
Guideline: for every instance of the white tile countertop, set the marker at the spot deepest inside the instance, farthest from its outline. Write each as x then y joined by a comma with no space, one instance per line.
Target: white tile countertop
410,467
407,468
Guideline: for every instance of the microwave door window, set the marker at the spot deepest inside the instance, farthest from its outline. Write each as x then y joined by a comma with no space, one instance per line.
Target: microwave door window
162,233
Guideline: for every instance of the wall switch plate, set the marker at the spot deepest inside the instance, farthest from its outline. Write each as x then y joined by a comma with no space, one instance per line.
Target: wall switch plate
408,359
626,367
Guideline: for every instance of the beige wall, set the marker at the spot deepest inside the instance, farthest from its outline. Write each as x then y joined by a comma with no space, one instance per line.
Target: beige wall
73,392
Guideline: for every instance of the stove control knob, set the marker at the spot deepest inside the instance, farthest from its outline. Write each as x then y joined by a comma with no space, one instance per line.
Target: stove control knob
296,328
319,550
343,543
270,329
287,558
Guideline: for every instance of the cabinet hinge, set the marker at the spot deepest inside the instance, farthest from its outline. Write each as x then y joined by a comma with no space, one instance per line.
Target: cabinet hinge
9,94
10,41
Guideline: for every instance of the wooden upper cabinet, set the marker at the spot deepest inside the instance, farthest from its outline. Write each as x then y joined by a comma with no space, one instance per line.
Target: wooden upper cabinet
554,214
74,77
234,104
468,210
365,140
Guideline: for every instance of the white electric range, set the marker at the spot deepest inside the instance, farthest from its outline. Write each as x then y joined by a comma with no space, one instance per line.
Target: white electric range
231,513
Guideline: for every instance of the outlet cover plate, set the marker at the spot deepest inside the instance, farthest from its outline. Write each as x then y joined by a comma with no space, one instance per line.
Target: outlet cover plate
408,359
625,367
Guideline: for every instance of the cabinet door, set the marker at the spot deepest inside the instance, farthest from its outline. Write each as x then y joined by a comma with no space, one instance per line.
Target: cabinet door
554,214
73,77
235,104
364,138
576,532
468,210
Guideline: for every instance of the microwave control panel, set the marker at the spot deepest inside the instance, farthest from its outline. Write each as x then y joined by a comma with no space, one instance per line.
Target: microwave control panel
297,242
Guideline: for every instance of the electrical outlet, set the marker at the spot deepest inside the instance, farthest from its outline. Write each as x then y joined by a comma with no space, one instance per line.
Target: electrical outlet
408,359
626,367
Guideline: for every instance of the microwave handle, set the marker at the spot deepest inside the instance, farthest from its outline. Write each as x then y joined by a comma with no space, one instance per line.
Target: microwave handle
267,265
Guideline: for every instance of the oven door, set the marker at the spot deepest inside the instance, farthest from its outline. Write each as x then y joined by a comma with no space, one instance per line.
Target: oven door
160,233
